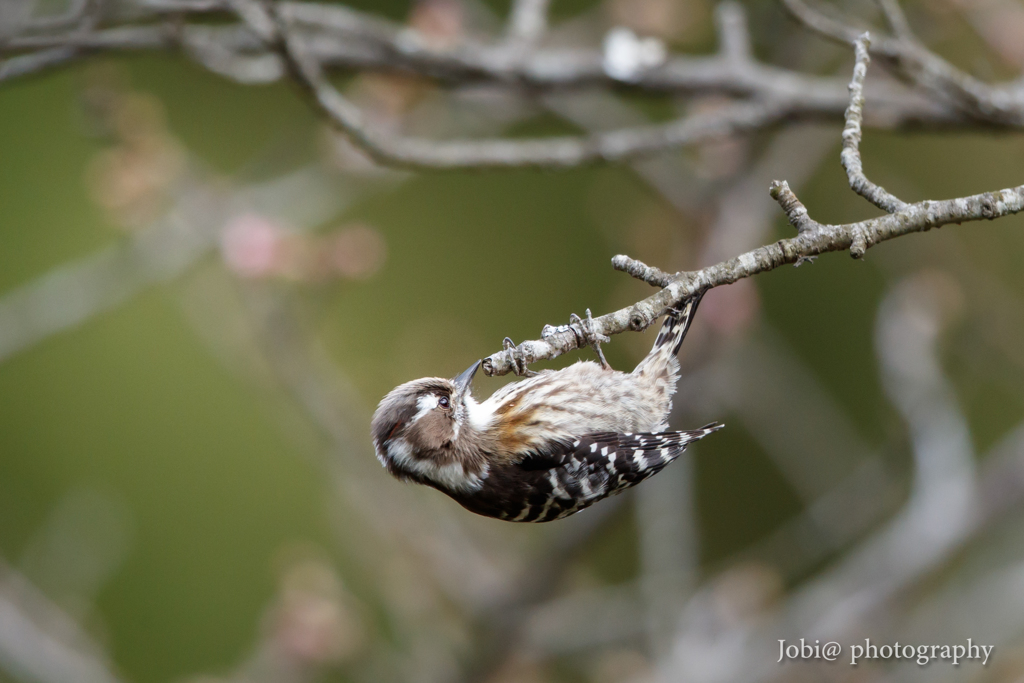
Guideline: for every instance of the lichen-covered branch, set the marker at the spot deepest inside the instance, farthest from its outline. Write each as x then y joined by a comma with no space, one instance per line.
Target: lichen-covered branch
813,240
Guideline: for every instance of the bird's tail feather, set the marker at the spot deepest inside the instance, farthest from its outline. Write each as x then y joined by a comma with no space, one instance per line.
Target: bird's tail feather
673,331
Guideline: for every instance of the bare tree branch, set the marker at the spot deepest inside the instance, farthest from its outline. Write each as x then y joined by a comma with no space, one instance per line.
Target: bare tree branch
312,37
618,145
562,152
850,156
812,239
371,43
1003,103
558,152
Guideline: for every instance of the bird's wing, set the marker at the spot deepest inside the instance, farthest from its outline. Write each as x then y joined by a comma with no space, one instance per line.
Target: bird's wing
598,465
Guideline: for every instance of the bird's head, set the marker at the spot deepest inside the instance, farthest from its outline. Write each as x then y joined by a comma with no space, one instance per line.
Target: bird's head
421,427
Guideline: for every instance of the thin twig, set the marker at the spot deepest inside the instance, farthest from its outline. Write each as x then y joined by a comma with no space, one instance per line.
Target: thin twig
641,271
850,156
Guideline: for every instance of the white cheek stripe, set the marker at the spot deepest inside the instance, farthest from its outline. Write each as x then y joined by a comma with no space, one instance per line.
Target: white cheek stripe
425,403
452,475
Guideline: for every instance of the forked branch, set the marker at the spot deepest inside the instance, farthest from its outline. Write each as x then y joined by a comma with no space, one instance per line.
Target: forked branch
812,239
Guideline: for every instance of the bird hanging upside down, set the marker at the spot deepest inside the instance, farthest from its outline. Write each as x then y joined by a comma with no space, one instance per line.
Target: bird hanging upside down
545,447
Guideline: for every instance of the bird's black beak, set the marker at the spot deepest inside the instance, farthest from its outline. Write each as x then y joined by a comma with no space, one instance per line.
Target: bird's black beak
463,381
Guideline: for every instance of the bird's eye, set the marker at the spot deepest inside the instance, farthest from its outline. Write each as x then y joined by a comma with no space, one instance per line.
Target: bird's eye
443,402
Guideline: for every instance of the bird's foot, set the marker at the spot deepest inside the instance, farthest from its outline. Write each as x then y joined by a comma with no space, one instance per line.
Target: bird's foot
516,359
589,336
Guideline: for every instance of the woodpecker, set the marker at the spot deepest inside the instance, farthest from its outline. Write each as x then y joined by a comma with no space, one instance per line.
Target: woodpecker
545,447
